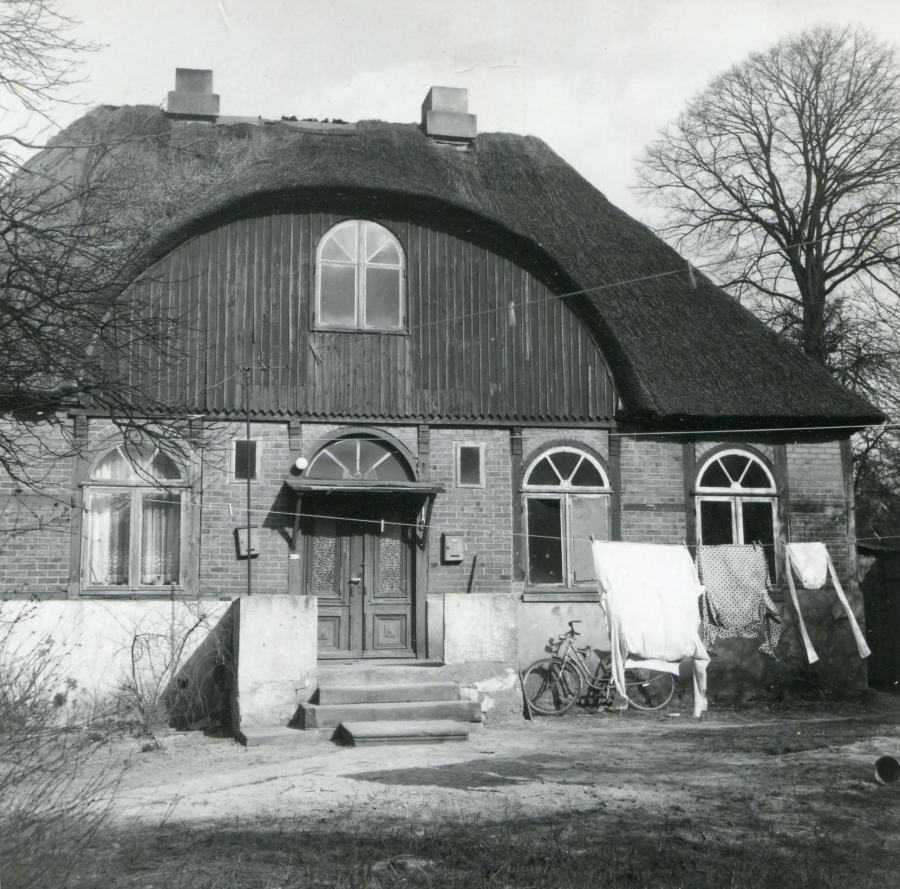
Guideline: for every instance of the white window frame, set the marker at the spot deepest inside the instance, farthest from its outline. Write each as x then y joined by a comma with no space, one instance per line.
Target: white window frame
232,473
736,490
360,286
354,472
737,514
111,486
566,493
566,497
737,496
458,446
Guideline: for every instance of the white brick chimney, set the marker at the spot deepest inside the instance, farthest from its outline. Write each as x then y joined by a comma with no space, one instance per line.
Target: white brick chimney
193,95
445,115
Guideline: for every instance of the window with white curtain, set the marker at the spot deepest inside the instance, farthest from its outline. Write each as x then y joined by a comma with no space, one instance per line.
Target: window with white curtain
566,497
134,502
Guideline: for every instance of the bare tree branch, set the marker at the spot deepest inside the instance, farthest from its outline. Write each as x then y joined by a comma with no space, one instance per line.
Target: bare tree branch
80,325
787,168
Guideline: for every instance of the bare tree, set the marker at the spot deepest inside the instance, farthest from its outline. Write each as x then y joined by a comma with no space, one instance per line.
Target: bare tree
73,219
786,169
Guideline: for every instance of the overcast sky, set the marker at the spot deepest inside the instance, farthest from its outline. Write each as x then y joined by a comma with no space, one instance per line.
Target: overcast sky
596,79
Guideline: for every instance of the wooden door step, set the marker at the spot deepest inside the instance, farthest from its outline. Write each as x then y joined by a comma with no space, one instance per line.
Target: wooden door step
405,731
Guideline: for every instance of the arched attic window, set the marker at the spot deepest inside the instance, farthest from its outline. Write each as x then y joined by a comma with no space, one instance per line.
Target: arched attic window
566,499
360,278
736,500
134,499
361,459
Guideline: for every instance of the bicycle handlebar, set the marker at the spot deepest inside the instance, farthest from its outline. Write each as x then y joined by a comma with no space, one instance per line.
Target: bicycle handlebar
572,631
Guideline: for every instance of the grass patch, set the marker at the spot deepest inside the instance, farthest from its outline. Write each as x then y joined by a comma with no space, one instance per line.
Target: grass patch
591,849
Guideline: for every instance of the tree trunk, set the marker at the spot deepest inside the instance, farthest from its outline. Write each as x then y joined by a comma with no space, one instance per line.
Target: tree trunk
813,317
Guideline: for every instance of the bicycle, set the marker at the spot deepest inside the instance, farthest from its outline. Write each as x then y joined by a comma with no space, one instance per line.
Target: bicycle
552,685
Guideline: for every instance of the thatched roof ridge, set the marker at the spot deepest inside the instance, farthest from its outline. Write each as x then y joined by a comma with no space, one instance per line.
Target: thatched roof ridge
680,356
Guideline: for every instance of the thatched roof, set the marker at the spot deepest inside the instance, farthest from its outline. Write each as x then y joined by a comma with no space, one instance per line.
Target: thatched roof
680,356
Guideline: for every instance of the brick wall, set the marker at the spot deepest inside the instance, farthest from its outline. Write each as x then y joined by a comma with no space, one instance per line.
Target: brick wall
272,505
652,490
482,515
818,511
817,501
35,541
34,522
765,448
535,439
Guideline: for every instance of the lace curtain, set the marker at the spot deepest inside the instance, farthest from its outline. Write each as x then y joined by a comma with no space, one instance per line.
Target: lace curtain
160,537
109,538
111,516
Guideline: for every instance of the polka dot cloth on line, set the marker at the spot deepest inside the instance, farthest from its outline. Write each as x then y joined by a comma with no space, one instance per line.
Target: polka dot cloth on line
737,601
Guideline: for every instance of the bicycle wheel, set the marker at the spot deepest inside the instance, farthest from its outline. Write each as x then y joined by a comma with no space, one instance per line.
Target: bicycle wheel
649,689
551,686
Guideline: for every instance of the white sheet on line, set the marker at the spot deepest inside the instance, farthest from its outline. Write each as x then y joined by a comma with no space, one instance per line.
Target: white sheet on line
650,595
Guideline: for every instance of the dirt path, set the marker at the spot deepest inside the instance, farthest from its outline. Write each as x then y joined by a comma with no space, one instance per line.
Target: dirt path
771,770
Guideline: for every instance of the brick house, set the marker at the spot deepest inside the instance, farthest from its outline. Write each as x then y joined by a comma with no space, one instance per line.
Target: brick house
457,361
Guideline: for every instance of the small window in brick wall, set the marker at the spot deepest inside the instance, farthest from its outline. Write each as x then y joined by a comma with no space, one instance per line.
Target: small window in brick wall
469,464
246,460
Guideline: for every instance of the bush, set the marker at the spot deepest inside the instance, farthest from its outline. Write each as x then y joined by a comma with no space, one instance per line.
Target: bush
55,785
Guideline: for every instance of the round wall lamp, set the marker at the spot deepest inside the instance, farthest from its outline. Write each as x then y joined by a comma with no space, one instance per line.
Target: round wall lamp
301,463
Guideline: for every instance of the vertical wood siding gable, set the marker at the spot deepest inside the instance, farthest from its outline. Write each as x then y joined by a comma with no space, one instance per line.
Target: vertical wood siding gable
486,341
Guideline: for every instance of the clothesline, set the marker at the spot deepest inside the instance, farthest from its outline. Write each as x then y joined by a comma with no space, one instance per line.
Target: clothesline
240,512
688,269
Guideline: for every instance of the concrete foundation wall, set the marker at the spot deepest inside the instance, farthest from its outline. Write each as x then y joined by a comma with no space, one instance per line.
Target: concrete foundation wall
95,649
540,624
275,658
479,627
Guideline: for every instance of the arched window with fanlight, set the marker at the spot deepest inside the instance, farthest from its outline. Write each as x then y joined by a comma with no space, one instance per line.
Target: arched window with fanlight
566,499
360,278
736,500
134,502
360,459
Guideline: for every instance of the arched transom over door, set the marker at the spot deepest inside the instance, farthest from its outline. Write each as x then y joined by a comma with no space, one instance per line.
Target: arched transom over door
362,459
360,550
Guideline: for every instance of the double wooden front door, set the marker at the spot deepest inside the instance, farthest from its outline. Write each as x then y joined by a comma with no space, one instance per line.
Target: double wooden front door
360,566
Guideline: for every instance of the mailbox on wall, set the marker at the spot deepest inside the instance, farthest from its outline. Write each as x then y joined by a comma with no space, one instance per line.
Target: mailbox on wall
453,547
241,539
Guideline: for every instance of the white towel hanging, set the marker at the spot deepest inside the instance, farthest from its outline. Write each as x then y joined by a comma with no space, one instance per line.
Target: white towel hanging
811,561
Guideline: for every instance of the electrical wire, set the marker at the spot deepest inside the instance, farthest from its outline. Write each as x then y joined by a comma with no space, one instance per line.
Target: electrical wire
364,520
687,269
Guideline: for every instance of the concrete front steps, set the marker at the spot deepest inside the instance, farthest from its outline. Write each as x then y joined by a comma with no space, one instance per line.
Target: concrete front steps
399,713
411,731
